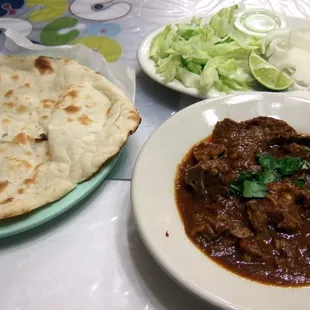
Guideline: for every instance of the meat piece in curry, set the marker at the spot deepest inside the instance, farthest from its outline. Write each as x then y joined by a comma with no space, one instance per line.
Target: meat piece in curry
244,197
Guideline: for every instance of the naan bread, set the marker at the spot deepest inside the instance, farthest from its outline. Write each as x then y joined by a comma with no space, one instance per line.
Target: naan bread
59,123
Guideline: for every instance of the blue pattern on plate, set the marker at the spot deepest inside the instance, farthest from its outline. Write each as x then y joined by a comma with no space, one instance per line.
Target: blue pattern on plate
103,29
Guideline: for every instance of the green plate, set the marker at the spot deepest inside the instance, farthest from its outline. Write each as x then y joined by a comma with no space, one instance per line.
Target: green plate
35,218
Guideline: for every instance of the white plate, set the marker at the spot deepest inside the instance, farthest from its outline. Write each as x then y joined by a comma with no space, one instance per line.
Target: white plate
148,66
155,209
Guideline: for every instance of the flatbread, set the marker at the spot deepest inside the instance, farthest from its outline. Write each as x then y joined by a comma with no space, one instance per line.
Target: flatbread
59,123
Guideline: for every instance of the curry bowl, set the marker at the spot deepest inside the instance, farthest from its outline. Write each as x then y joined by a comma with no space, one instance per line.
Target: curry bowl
161,225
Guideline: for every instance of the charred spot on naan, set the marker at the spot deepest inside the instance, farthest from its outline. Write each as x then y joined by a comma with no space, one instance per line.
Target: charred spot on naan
9,105
27,85
6,121
17,163
48,103
66,61
15,77
3,185
22,138
31,181
44,65
41,138
72,109
44,117
23,163
85,120
8,200
70,94
22,109
135,117
20,191
9,93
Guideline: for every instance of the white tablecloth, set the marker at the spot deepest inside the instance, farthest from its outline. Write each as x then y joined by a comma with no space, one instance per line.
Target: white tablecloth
91,257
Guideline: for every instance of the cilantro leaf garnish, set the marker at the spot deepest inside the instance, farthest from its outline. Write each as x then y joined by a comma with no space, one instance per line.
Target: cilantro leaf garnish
267,161
268,176
236,188
249,175
254,184
254,189
290,165
300,183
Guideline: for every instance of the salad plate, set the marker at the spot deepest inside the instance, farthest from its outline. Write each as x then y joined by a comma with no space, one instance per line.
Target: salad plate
158,218
149,67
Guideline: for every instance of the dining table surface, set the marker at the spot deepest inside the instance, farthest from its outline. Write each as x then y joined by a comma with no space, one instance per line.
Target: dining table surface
91,257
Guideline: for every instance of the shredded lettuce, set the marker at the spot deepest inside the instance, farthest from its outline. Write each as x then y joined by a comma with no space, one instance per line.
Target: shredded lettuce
168,67
206,56
189,79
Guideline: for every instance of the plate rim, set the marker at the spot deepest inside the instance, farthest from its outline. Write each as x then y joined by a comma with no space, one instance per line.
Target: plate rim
147,65
178,277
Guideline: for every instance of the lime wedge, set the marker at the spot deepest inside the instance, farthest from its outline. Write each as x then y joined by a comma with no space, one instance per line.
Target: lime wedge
268,75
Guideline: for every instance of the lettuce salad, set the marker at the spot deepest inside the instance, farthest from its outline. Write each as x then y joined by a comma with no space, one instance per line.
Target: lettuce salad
206,56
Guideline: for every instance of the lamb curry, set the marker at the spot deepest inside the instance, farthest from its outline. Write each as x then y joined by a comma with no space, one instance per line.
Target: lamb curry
244,198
